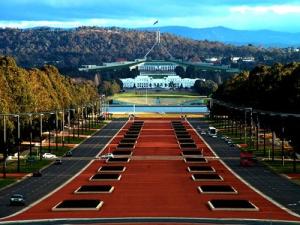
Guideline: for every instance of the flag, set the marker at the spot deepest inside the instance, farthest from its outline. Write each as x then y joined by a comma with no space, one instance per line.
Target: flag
156,22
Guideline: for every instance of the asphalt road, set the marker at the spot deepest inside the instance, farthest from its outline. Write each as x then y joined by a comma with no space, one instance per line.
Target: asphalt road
273,185
34,188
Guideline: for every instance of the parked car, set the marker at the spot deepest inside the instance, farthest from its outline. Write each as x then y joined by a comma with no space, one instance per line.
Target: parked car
17,199
58,162
49,156
203,132
107,156
68,154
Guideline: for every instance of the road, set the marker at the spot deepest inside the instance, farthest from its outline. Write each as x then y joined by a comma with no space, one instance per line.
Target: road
273,185
34,188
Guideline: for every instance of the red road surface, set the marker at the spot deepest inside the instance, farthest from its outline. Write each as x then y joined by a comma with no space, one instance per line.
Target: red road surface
156,183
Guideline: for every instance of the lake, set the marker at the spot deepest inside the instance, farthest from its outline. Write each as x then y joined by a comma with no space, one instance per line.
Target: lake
158,109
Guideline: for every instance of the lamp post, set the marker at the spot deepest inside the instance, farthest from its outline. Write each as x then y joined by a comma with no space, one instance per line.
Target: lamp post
41,134
63,127
78,116
69,124
5,146
30,135
19,142
245,131
56,131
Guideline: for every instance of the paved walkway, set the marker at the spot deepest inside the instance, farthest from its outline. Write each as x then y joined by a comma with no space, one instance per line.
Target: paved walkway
273,185
33,188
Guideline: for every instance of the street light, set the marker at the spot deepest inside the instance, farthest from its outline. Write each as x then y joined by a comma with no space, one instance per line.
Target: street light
245,135
56,131
62,127
5,147
41,134
30,135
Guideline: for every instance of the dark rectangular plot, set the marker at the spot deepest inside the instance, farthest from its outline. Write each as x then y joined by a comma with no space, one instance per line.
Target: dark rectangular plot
232,205
106,176
95,189
217,189
117,160
183,136
179,129
133,132
206,176
201,169
123,152
180,133
189,153
112,169
188,145
138,122
78,204
128,141
135,128
186,140
195,160
131,136
125,146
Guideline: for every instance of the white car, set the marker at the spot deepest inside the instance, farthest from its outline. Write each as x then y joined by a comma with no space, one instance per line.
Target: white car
107,156
49,156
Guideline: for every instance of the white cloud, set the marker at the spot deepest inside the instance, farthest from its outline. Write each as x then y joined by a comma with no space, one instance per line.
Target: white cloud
76,23
276,9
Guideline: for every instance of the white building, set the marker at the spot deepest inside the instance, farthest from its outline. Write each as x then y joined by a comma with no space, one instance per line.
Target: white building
158,75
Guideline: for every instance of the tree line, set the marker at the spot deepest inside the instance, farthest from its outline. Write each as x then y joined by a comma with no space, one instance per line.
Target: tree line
272,88
39,90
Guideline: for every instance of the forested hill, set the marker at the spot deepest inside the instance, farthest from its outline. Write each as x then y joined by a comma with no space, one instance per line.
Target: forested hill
91,45
38,90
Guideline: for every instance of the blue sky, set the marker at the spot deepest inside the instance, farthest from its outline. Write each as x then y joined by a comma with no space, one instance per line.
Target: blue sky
239,14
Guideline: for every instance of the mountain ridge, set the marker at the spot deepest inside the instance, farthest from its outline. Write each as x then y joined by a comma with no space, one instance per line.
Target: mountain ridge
264,37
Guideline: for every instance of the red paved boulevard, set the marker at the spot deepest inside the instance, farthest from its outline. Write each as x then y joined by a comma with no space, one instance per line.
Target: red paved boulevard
156,183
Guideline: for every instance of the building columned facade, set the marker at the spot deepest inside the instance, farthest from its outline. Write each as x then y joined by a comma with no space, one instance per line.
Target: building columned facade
158,75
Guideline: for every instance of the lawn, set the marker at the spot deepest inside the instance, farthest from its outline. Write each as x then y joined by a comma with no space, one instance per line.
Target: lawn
277,166
6,181
159,98
25,166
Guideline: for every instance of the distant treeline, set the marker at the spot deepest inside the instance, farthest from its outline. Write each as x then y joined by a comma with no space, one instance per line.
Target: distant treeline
70,48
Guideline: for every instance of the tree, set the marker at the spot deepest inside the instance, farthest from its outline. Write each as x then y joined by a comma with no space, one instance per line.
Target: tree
205,87
179,70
